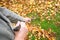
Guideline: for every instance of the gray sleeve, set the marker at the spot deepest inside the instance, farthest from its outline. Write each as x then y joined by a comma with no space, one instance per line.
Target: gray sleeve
11,15
5,34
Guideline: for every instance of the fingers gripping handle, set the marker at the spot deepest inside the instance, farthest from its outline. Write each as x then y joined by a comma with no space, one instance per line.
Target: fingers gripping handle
19,25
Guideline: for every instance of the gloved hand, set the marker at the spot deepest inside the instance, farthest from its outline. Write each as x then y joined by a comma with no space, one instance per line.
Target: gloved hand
18,23
22,33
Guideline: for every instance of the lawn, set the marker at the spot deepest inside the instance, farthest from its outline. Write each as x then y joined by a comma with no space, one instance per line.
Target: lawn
46,24
45,15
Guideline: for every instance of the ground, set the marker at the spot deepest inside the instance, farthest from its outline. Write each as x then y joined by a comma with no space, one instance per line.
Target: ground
45,15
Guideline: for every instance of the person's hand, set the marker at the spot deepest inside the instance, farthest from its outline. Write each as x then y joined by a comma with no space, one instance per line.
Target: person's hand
27,19
22,33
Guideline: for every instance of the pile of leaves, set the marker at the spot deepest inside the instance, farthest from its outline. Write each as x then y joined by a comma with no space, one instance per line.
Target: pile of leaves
38,28
45,15
37,33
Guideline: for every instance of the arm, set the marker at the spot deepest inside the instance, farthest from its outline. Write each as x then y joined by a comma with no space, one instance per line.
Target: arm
19,37
11,15
22,33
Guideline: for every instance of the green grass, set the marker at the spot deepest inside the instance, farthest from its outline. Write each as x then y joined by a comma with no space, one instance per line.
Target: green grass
46,24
